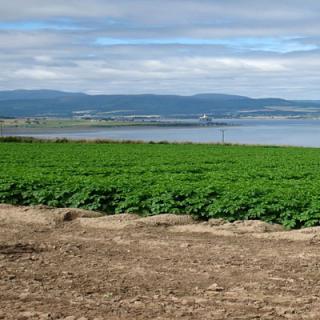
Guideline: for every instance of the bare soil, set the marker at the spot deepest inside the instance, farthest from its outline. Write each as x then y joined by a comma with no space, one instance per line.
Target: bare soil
75,265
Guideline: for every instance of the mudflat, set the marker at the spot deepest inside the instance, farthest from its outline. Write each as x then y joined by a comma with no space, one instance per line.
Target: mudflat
74,264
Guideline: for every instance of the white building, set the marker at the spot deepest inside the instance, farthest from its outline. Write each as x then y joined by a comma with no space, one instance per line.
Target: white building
205,119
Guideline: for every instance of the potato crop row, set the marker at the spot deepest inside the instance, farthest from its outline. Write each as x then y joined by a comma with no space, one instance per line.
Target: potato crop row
274,184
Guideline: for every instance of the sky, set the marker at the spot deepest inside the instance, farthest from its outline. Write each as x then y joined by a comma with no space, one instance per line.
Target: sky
257,48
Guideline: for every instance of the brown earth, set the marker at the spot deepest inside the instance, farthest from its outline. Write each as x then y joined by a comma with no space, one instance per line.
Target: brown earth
73,264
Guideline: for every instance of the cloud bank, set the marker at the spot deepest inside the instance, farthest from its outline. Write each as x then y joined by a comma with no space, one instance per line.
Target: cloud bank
256,48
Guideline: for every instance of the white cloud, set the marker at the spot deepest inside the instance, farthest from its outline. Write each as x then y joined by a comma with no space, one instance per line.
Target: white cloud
264,48
44,59
265,65
36,74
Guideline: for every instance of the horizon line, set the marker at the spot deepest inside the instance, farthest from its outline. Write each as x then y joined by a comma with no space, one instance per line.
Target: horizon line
157,94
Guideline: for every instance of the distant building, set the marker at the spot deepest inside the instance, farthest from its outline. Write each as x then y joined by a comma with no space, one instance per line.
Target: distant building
138,118
205,119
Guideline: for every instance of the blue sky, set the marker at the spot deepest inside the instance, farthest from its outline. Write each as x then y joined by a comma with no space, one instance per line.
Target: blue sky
281,45
255,48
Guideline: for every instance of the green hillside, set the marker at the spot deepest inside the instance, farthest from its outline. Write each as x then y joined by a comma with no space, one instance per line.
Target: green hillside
37,103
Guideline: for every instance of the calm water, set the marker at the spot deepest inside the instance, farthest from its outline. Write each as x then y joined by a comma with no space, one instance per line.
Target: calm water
268,132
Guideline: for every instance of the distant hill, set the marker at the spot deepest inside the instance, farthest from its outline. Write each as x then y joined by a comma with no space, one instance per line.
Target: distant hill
36,94
32,103
218,96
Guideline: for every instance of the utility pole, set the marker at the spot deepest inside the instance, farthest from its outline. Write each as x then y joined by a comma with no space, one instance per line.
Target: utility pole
222,135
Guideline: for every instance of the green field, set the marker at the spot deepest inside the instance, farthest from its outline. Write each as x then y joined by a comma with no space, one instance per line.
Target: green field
37,124
274,184
34,123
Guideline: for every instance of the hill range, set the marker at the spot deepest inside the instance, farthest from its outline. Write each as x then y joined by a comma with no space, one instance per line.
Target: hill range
46,103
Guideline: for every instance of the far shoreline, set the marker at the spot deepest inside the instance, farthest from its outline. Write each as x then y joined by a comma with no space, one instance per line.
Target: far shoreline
55,140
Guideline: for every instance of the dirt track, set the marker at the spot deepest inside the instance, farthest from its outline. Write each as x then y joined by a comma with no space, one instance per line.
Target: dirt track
62,264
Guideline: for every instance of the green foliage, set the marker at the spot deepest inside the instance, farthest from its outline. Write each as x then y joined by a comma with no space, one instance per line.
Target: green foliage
273,184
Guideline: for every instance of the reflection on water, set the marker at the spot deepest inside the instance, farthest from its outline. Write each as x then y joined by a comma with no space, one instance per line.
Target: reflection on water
254,131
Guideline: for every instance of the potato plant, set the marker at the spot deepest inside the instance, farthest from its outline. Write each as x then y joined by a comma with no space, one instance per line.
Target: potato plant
274,184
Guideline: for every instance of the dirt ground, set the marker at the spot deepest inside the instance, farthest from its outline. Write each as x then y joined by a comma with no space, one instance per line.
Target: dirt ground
75,265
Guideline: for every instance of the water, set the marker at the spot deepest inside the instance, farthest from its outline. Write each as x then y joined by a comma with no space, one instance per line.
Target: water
245,131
